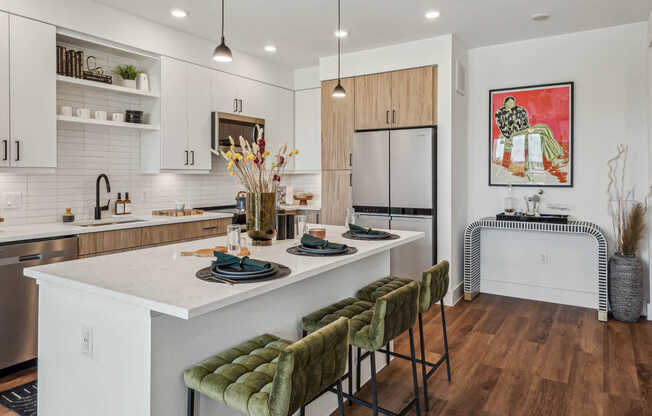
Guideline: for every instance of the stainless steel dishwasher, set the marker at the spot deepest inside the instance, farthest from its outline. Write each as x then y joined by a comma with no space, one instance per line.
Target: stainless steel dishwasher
19,294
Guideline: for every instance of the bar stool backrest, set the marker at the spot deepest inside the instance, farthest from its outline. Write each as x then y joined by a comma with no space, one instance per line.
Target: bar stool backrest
394,313
307,367
434,285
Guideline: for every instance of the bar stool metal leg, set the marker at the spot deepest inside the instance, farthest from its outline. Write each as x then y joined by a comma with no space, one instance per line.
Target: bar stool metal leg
357,371
423,364
191,402
414,372
350,402
443,325
387,354
340,402
374,395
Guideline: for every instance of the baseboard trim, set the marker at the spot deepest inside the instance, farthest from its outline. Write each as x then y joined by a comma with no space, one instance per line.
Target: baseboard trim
454,295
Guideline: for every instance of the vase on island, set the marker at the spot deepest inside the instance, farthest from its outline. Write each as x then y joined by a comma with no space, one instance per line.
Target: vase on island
261,217
259,171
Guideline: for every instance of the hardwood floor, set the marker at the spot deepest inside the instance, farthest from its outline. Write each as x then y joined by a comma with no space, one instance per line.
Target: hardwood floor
518,357
13,380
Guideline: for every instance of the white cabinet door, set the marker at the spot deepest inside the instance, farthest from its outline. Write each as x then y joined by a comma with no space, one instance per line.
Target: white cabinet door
33,93
223,92
4,90
199,116
174,115
279,119
252,94
307,129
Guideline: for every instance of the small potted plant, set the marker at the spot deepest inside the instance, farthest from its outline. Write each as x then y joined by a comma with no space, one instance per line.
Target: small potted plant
128,73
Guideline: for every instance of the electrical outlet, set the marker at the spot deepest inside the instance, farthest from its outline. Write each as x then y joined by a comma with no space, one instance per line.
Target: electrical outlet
87,341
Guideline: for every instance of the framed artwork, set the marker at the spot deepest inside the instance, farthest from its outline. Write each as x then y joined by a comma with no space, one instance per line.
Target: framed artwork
531,136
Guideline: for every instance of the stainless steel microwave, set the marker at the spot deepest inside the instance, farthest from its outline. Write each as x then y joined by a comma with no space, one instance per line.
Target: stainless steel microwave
225,125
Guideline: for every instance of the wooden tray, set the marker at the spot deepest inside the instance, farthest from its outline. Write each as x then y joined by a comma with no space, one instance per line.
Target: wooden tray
175,213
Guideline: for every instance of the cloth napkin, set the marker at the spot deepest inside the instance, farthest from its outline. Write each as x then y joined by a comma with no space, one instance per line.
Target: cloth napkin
224,260
313,242
356,229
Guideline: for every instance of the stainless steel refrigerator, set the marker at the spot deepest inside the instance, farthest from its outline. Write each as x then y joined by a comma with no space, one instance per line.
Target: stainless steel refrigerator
394,187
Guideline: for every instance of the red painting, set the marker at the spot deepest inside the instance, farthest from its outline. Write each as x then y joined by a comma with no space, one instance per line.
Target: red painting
531,135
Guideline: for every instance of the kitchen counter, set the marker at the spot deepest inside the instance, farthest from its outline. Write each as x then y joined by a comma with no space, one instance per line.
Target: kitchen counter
142,317
309,207
9,234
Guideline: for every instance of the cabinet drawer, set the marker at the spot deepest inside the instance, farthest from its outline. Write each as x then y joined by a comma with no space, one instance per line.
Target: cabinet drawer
207,228
93,243
162,234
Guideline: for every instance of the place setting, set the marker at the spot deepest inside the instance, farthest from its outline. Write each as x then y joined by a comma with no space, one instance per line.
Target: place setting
318,246
357,232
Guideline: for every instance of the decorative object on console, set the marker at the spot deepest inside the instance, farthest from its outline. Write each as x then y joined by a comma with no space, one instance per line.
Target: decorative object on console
128,73
261,178
542,218
134,116
531,135
95,73
510,202
628,221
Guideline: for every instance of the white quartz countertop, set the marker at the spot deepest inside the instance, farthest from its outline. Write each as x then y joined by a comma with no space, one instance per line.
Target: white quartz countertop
161,280
298,207
10,234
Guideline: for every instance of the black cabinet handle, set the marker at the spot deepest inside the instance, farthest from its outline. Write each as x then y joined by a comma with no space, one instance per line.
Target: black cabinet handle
235,105
17,150
393,116
186,158
240,100
350,179
192,162
6,144
350,159
387,117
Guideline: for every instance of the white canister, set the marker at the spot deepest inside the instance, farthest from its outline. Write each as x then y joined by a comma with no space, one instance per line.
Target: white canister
118,116
83,113
100,115
65,110
142,82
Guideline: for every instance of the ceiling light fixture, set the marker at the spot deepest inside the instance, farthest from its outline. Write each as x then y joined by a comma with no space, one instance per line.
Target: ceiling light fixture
341,33
339,91
540,17
432,15
178,13
270,48
222,53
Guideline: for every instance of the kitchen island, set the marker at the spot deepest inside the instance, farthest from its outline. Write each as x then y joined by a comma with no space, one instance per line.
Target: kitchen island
117,331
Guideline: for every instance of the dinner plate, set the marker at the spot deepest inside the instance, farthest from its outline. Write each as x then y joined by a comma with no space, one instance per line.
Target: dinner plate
244,276
382,236
322,250
235,271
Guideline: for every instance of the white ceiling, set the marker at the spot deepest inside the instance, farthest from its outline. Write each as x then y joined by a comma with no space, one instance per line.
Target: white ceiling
302,30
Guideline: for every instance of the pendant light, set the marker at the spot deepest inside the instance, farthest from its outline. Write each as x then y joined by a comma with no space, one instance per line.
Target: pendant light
339,91
222,53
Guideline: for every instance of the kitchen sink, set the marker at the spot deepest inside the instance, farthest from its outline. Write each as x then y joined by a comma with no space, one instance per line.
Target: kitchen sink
105,222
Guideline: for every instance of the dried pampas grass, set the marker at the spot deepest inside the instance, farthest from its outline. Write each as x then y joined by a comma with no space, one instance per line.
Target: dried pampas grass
634,229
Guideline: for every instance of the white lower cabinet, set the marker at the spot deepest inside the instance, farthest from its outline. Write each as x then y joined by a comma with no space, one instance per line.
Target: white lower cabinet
185,123
28,137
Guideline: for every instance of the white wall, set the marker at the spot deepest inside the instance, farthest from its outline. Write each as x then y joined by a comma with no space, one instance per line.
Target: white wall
609,68
306,78
435,51
649,68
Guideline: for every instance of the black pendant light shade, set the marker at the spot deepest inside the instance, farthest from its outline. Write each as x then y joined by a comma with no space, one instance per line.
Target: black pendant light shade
222,53
339,91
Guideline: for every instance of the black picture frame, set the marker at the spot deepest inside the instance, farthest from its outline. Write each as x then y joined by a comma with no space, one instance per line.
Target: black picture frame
571,152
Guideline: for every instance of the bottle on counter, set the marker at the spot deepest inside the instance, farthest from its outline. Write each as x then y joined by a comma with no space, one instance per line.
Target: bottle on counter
127,203
119,205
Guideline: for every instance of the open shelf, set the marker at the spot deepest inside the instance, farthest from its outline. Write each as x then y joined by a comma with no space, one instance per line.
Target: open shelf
121,124
108,87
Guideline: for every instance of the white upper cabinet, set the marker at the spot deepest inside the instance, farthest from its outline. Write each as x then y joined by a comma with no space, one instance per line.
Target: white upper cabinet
186,107
4,91
224,91
279,119
307,130
28,93
199,117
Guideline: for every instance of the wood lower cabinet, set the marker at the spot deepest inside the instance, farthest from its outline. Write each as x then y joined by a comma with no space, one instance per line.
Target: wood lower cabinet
373,101
414,97
336,196
337,125
108,242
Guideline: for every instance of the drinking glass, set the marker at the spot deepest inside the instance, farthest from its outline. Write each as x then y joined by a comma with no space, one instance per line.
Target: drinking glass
233,239
246,243
302,220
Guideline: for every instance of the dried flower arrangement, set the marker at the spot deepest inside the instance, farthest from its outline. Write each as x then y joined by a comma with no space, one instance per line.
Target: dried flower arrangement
627,214
250,164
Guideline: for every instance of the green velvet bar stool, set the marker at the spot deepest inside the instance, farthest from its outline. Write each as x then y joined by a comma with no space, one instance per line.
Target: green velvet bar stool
373,325
434,286
269,376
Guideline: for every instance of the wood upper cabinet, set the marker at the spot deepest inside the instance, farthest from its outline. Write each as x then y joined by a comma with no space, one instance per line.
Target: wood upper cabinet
336,196
413,97
337,125
406,98
373,101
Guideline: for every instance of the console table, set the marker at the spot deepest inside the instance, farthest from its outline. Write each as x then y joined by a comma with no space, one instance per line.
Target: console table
472,252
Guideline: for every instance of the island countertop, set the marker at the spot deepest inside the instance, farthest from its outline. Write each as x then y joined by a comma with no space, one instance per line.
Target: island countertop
161,280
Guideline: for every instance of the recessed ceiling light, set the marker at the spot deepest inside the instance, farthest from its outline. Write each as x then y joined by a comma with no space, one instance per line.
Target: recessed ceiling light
341,33
540,17
270,48
433,14
178,13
